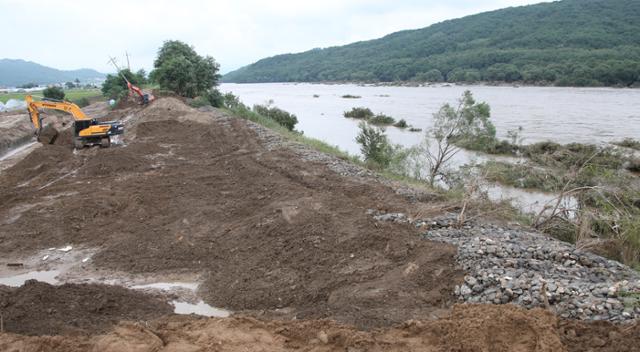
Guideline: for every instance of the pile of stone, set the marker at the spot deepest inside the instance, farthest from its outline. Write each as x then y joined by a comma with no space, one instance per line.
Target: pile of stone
512,265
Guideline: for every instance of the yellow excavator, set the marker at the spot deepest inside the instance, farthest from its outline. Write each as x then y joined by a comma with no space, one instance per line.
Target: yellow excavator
86,131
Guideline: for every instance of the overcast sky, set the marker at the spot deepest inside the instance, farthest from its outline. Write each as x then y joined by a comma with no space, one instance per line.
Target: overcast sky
70,34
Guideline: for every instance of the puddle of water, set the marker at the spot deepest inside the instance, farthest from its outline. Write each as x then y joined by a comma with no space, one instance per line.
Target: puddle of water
167,286
199,308
18,280
526,200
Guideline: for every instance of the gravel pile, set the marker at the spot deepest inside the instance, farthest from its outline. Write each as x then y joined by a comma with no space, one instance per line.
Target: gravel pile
509,265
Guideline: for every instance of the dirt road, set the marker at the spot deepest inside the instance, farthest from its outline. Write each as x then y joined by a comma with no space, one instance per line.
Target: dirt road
197,195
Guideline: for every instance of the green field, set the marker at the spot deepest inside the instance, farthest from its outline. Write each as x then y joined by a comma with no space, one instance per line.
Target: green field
71,94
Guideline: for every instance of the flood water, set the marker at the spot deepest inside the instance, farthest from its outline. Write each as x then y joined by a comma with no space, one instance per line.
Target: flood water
563,115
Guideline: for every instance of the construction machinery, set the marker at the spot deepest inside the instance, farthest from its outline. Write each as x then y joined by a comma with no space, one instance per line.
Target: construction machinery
144,98
86,131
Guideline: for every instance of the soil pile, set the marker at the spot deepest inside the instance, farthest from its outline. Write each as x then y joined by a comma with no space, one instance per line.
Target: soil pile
267,232
468,328
37,308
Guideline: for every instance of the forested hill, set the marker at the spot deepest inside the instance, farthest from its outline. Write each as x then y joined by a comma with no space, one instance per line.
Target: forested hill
570,42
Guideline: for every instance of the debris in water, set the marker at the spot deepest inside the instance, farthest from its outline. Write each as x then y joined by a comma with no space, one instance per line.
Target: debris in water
14,264
65,249
45,257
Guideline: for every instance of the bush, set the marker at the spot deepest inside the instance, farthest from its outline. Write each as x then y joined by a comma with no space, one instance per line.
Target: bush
179,68
215,98
82,102
199,102
231,101
359,113
382,119
374,145
53,93
282,117
401,124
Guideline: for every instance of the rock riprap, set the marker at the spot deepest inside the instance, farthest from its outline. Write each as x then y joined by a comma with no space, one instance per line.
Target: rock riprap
512,265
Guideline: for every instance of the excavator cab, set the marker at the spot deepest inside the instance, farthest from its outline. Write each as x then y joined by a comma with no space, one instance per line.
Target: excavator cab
86,131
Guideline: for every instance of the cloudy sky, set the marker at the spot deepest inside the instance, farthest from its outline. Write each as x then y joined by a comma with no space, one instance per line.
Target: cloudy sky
69,34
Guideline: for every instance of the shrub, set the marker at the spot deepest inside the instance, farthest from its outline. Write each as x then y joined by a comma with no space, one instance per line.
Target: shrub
199,102
53,93
374,145
231,101
282,117
382,119
82,102
401,124
359,113
215,98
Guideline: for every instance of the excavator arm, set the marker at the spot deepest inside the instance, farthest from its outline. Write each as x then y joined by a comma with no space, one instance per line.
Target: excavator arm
34,113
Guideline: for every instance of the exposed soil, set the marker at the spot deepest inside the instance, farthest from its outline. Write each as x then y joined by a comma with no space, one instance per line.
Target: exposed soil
468,328
266,231
37,308
268,234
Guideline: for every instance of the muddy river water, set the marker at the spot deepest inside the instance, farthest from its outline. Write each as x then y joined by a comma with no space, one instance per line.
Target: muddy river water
563,115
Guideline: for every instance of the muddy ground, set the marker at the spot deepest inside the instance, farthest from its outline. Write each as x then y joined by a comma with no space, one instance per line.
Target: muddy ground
197,195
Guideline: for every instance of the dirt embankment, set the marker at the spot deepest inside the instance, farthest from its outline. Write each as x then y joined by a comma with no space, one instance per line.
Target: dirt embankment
269,235
468,328
267,232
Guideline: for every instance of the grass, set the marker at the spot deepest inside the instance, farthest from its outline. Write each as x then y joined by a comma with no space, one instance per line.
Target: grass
71,95
522,176
628,143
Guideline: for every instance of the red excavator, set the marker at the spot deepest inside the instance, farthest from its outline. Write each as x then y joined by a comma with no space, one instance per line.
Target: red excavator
144,98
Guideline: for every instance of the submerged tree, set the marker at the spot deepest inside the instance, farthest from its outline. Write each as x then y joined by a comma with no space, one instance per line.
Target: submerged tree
467,124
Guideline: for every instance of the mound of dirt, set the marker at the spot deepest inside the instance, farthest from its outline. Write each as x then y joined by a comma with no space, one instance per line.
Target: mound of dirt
468,328
267,232
37,308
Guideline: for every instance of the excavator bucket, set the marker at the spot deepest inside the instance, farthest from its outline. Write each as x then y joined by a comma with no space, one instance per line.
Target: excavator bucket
48,135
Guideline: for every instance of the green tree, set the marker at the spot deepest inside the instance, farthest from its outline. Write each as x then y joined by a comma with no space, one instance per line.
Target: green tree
468,124
53,92
69,85
179,68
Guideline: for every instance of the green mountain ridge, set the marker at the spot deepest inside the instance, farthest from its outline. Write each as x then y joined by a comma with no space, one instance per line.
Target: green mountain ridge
570,42
15,72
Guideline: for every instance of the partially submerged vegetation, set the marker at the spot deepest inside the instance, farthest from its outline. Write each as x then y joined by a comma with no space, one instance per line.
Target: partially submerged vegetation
629,143
598,202
350,96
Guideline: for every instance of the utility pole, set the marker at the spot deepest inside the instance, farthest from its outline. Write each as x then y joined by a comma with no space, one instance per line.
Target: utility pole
128,65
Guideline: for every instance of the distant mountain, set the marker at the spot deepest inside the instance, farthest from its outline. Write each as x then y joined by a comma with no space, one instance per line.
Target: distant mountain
18,72
570,42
